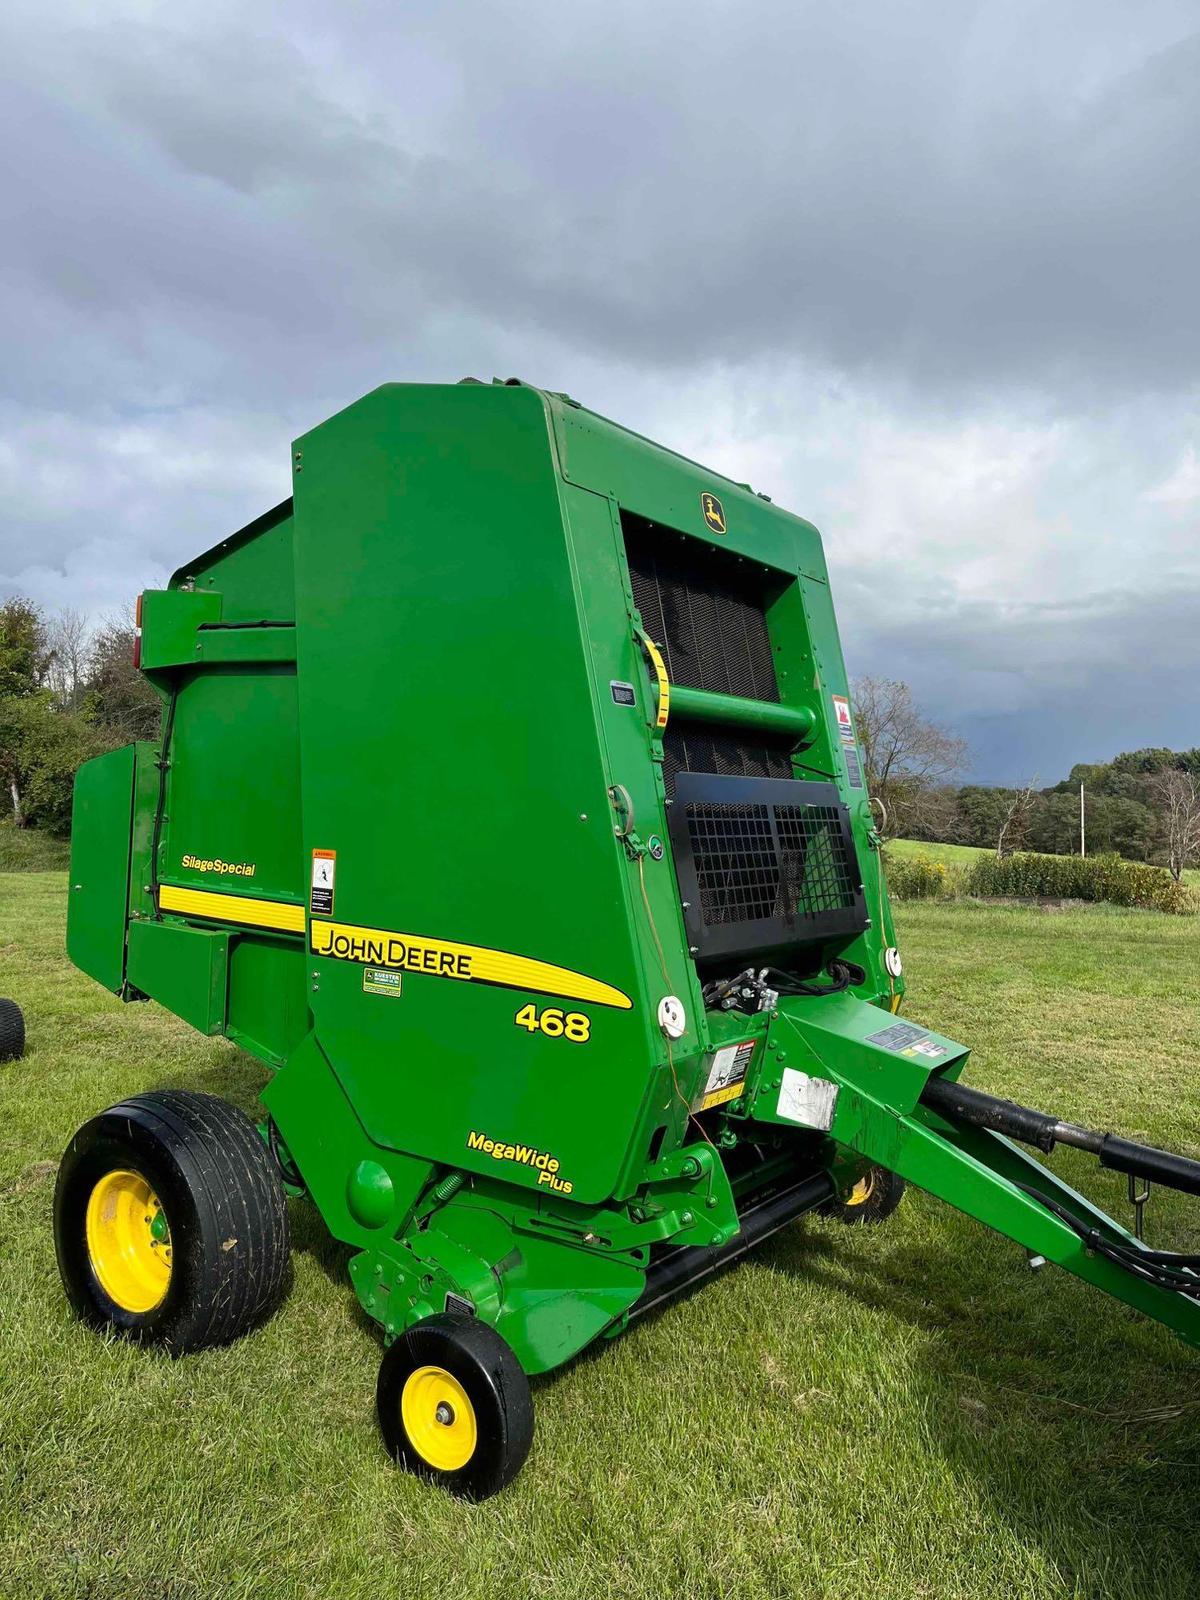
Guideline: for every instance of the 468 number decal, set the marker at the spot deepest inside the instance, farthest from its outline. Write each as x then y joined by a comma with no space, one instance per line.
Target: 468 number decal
555,1024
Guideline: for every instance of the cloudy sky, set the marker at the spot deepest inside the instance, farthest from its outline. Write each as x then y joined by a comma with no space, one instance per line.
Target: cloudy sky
928,274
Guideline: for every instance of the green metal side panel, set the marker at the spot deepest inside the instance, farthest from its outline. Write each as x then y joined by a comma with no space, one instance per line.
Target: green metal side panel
171,620
268,996
449,755
657,483
184,969
252,570
99,898
233,793
333,1150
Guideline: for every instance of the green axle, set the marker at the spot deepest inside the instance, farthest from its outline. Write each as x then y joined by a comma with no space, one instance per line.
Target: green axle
508,806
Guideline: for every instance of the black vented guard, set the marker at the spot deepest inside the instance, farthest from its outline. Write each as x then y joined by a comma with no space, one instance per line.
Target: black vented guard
704,609
763,863
726,752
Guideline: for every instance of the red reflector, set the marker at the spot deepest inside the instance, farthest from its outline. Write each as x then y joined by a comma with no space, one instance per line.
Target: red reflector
137,651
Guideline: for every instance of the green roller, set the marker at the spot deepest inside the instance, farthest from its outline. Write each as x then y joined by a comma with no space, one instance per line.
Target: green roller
508,806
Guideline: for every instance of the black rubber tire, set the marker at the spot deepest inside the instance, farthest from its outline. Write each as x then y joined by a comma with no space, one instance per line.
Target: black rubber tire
495,1383
224,1205
12,1031
884,1194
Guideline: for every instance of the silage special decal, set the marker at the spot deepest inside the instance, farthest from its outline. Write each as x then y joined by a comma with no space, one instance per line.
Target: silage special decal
225,869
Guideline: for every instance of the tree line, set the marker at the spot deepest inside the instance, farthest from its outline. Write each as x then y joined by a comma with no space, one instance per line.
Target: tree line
68,691
1143,805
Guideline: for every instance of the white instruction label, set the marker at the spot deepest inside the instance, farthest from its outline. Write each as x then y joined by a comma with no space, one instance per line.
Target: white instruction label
807,1101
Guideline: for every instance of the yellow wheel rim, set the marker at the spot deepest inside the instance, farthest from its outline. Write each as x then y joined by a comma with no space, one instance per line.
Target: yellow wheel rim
861,1191
438,1418
128,1241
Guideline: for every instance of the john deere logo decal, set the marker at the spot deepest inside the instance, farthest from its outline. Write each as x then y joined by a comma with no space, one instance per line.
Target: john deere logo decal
714,512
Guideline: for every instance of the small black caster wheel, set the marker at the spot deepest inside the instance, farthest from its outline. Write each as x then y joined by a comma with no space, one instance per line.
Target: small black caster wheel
12,1031
872,1197
454,1405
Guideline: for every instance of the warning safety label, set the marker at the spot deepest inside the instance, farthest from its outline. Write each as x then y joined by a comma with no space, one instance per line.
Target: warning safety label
323,864
726,1074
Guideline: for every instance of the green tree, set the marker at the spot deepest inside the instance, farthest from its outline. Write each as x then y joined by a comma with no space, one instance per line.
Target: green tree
115,694
40,751
1054,825
906,758
24,652
981,813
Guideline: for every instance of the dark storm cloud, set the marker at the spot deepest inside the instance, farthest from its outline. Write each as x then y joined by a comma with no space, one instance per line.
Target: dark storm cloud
1037,688
942,194
928,269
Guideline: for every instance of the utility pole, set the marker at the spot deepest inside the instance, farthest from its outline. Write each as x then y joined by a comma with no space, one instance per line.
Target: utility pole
1082,826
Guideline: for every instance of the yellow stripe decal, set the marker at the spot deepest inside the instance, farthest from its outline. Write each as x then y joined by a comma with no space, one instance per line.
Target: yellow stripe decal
232,908
469,963
664,685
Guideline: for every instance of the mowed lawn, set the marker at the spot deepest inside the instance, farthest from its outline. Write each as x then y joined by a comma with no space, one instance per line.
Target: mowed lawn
868,1414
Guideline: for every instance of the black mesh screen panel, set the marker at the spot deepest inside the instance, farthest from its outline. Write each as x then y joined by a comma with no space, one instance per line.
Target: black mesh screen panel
704,609
730,753
763,863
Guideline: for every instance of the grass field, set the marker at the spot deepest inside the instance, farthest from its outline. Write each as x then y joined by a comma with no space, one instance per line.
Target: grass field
952,855
868,1414
29,850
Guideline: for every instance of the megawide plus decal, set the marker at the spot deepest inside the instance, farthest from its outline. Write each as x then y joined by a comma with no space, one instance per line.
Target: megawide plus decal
466,963
525,1155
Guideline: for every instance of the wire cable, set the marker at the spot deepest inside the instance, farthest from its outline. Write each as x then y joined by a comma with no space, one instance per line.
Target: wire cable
1165,1269
662,961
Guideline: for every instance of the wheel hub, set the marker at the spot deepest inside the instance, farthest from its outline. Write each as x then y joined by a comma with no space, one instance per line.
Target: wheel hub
438,1418
129,1241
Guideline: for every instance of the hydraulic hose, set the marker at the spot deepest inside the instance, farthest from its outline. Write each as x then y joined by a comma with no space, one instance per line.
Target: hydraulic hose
958,1103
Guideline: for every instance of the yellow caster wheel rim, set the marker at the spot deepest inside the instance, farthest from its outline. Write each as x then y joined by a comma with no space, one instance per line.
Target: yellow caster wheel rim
861,1191
438,1418
128,1241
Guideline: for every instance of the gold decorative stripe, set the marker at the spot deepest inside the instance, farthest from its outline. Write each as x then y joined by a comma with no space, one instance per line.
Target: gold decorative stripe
232,908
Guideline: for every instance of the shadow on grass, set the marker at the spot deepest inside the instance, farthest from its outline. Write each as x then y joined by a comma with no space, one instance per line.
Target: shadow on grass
1055,1404
1070,1413
225,1071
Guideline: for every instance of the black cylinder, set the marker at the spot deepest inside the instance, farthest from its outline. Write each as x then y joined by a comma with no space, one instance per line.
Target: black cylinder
957,1103
1144,1161
682,1267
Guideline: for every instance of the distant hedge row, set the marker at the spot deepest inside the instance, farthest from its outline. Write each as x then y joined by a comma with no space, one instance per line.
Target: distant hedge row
1025,876
1110,878
919,878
